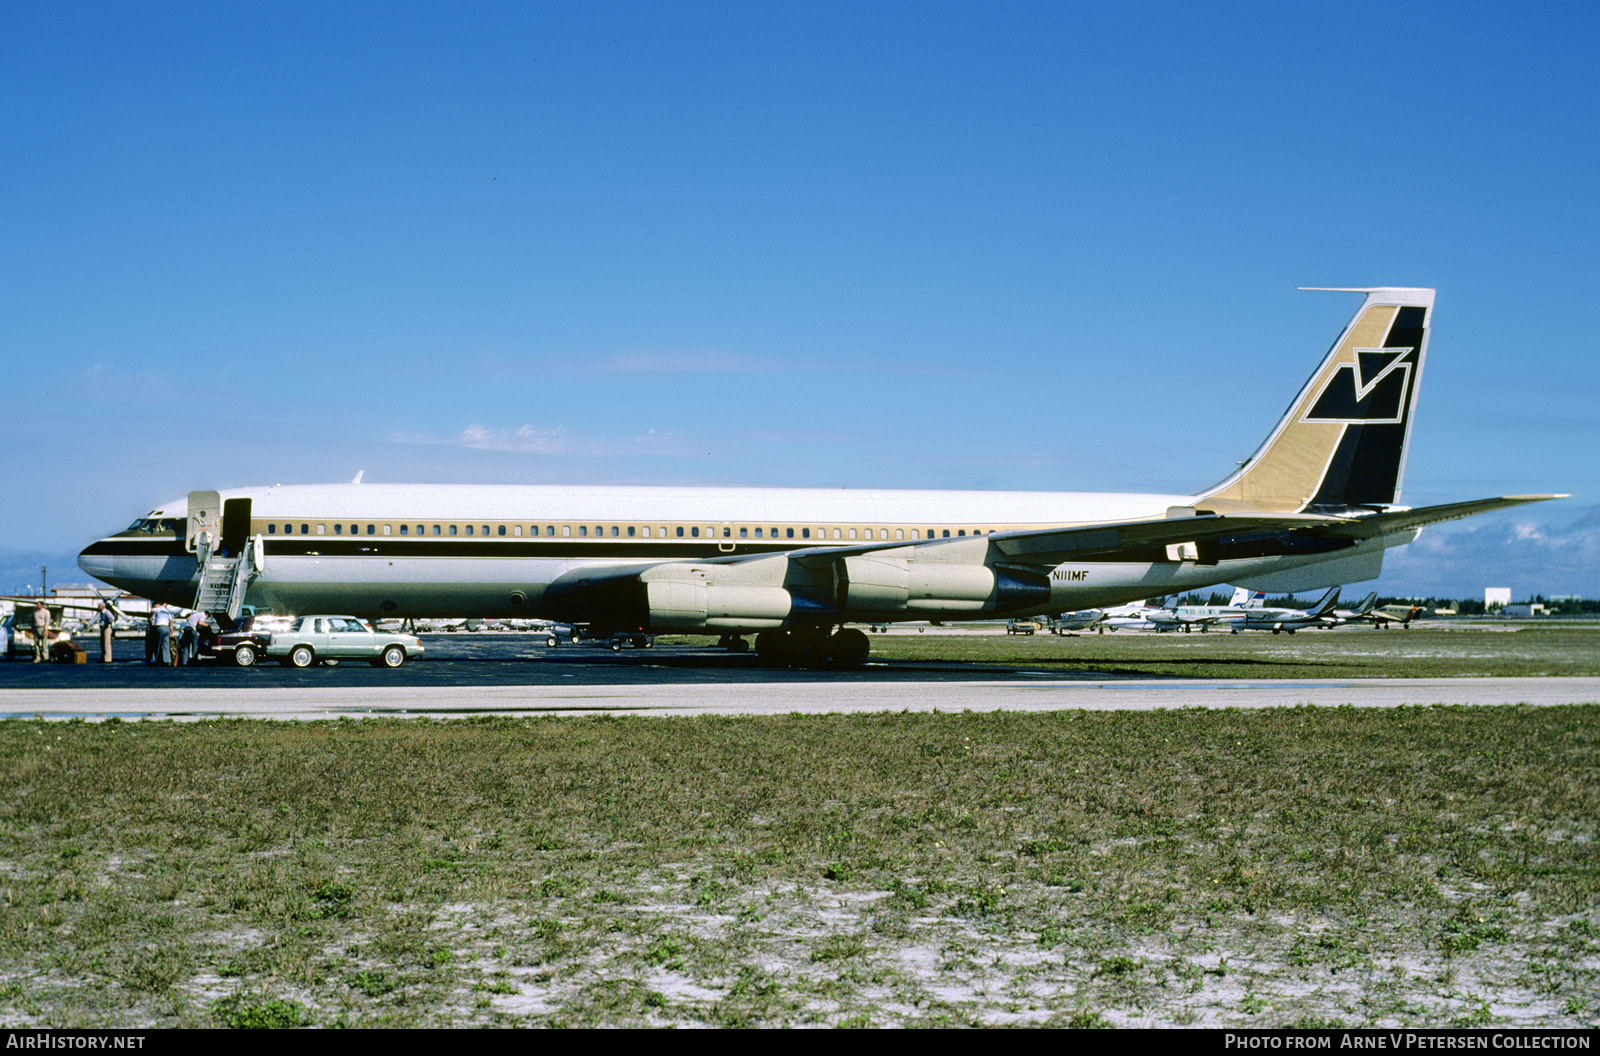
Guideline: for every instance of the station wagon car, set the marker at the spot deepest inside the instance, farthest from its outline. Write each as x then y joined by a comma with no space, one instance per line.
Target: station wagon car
330,639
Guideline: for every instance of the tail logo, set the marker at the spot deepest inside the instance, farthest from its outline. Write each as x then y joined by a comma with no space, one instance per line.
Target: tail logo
1371,391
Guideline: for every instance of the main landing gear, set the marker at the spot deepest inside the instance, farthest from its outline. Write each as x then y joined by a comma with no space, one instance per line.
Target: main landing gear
814,647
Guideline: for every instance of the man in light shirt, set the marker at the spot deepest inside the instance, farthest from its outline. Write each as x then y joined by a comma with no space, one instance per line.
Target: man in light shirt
41,633
189,643
161,621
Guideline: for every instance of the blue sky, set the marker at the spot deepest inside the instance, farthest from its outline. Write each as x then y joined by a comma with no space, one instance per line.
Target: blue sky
994,246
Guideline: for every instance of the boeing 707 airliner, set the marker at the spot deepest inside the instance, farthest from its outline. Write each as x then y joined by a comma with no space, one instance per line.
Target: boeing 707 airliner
1315,506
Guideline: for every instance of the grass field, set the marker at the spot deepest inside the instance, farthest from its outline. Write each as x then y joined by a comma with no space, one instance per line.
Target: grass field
1294,866
1437,650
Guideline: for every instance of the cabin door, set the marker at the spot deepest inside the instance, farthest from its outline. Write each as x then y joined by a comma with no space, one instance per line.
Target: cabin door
235,526
205,515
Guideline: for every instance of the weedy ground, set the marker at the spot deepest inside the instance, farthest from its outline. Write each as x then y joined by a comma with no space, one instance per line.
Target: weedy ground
1346,866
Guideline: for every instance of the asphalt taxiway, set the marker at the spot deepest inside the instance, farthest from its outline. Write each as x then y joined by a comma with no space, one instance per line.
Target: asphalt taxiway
489,677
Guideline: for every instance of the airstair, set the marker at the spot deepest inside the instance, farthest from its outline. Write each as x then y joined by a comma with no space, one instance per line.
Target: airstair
224,579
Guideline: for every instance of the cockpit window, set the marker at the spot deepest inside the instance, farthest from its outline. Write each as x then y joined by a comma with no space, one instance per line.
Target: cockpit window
158,526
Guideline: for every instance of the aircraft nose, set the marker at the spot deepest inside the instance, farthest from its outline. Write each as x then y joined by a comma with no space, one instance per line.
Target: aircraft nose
97,565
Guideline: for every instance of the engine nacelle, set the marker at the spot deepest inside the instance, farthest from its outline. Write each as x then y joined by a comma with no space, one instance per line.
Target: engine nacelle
872,584
692,605
890,586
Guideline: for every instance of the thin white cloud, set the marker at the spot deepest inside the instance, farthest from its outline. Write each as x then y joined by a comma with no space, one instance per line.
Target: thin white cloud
710,361
688,361
1528,557
103,381
559,441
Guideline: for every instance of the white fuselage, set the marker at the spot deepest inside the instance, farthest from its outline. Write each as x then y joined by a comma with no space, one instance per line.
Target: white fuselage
388,550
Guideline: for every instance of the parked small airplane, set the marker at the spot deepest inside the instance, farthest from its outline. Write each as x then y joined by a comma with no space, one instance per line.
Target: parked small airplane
1134,616
1182,617
1380,617
1290,620
1082,620
67,615
1360,614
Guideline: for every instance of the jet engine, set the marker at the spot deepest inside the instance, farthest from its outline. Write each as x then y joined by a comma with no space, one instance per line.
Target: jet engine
773,593
869,585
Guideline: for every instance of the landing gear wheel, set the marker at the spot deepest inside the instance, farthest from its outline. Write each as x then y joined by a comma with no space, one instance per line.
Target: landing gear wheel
777,648
802,648
769,644
849,647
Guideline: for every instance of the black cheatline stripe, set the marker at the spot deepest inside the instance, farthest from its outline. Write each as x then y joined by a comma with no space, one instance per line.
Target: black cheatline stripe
391,547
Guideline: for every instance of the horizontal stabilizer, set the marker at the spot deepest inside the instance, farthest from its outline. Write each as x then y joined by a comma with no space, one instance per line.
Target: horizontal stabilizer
1403,520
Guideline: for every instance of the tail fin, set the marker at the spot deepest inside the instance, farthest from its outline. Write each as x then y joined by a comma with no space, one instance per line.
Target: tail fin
1329,602
1244,598
1342,442
1368,603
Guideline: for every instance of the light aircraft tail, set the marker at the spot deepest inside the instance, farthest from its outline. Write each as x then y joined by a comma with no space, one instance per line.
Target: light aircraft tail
1368,603
1342,442
1244,597
1329,602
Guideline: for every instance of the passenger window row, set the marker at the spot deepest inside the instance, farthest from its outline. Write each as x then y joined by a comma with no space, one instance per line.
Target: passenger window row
584,531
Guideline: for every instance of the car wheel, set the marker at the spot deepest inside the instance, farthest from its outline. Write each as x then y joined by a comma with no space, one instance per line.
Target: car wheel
330,663
244,656
550,642
616,645
394,656
301,656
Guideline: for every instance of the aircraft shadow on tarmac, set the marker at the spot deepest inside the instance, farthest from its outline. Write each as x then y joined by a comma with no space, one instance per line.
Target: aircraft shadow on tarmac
503,660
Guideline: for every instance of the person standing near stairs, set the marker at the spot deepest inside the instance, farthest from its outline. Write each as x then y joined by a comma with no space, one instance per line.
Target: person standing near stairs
107,622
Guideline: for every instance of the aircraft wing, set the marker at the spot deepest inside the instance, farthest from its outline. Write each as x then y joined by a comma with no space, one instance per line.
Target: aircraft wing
1053,546
53,603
